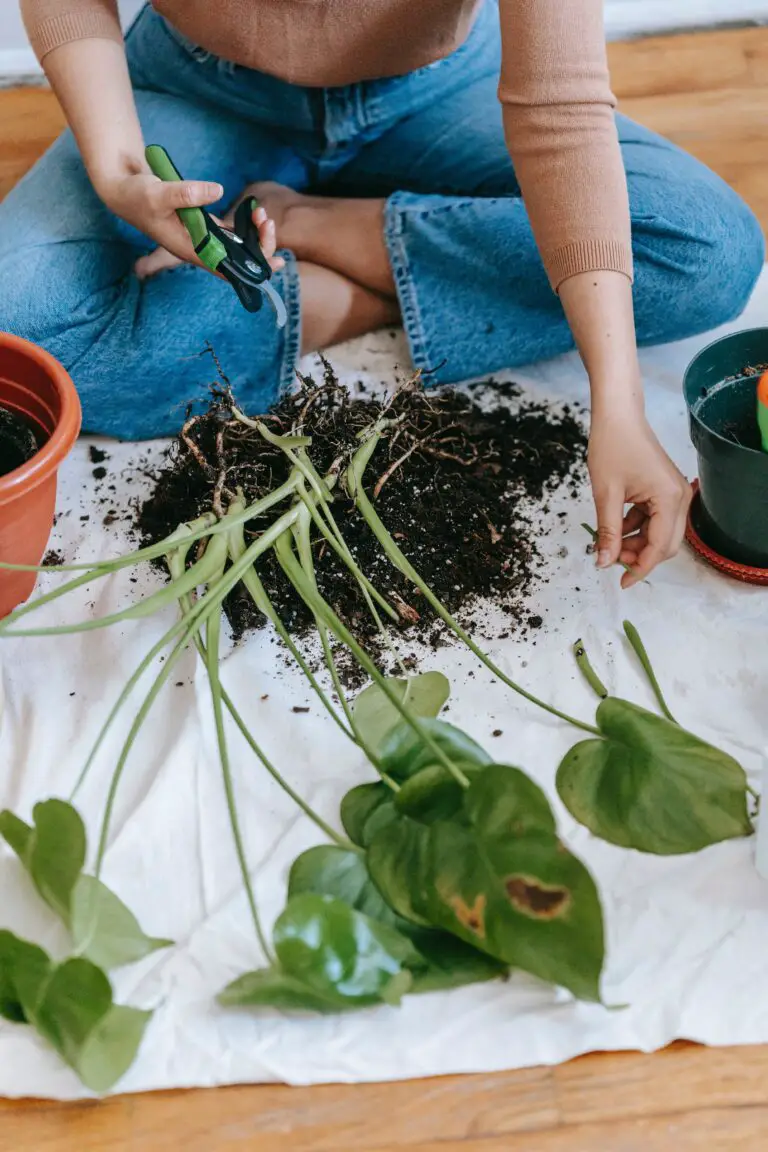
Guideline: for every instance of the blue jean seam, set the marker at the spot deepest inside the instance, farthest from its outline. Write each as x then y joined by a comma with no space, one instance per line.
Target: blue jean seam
291,292
394,237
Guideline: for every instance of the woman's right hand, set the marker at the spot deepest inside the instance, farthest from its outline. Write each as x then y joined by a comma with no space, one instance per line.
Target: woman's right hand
150,205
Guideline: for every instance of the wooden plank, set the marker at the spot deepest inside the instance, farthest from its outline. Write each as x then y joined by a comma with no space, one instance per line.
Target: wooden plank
697,62
260,1119
30,119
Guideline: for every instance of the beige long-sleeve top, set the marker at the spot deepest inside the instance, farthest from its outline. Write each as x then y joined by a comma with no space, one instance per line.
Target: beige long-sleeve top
555,89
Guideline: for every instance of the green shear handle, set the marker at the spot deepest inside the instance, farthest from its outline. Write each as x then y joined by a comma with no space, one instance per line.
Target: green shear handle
235,255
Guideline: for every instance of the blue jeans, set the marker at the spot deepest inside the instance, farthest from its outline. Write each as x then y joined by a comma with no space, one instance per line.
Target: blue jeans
472,290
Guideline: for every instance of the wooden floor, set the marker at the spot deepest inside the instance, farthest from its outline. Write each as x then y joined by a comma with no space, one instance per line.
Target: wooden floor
709,93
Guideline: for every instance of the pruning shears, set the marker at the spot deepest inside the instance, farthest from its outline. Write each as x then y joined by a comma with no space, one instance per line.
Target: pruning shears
235,255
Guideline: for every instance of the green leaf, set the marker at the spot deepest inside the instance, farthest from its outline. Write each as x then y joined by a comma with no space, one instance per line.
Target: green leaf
433,795
398,861
366,808
21,963
104,930
271,988
98,1039
499,880
375,715
53,852
111,1048
652,786
451,963
439,961
331,947
17,834
403,753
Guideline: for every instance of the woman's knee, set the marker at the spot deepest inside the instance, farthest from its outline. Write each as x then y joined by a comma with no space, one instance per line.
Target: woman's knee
697,262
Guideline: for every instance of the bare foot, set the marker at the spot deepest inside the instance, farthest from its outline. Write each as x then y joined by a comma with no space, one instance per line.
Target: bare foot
345,235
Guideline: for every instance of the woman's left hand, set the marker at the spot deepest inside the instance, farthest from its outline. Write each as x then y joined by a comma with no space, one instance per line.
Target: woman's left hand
160,260
627,465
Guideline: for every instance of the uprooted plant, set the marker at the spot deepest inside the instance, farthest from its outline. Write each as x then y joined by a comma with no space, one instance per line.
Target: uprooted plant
450,869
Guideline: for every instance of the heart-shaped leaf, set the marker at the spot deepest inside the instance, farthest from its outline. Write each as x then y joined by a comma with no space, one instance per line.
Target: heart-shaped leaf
104,930
403,753
500,880
20,963
97,1038
652,786
365,809
111,1048
439,961
375,715
272,988
71,1007
332,948
53,851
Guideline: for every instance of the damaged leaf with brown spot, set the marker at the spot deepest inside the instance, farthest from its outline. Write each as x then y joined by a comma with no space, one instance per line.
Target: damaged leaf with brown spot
495,875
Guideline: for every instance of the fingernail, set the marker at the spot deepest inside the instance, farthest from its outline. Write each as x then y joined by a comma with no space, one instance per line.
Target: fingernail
217,191
603,558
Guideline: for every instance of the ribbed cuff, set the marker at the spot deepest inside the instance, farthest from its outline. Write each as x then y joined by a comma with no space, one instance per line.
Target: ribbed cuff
588,256
93,23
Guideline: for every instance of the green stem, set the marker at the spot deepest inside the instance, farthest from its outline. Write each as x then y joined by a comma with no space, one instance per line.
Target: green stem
213,636
627,567
176,565
210,527
640,651
304,549
321,608
162,643
371,517
258,594
294,448
370,594
284,553
588,672
135,728
210,603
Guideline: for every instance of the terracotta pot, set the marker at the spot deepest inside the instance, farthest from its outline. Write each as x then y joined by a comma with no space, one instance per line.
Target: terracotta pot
34,386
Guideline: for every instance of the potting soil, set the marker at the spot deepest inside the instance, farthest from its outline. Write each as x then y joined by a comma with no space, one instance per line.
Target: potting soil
18,443
460,482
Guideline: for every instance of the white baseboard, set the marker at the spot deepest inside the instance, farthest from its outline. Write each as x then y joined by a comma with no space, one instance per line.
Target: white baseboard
19,66
643,17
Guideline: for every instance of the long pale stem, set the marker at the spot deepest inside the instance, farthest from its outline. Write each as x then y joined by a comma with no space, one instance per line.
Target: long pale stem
319,606
370,594
175,566
204,527
258,594
307,589
213,636
210,603
371,517
587,670
640,651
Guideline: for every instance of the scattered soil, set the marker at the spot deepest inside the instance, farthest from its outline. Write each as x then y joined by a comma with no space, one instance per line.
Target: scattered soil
461,483
52,559
18,442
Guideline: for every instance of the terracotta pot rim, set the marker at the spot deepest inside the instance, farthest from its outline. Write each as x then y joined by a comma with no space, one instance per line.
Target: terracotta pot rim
60,442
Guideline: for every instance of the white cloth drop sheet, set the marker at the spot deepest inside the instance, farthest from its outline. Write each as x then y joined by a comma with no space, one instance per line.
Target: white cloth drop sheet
687,936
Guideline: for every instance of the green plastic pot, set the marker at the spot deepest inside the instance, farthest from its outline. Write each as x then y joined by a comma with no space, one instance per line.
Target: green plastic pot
720,391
